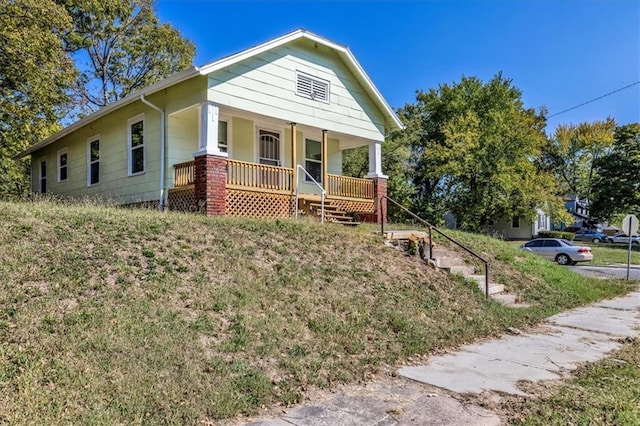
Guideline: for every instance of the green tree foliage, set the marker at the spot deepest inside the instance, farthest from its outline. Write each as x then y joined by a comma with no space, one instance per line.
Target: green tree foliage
34,75
120,47
474,148
573,151
395,164
616,190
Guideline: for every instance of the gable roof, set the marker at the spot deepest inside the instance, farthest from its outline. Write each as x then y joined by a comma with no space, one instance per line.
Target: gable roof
343,52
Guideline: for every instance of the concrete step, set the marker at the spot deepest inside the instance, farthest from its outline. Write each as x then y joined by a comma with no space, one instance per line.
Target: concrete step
493,287
439,252
404,235
459,269
447,261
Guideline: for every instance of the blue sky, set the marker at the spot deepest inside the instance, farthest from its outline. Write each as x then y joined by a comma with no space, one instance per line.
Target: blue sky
558,53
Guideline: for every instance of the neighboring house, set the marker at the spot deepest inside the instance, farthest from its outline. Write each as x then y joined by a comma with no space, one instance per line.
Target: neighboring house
225,138
520,228
579,209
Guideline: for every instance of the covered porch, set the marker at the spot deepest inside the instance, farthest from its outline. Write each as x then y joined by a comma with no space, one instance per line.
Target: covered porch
220,180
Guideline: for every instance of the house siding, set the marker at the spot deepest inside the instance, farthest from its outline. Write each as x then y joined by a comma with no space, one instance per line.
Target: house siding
244,146
115,183
242,139
182,139
266,84
503,227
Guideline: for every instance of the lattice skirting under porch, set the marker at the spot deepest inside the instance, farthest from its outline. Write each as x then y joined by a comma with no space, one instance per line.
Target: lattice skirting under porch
182,199
350,206
258,204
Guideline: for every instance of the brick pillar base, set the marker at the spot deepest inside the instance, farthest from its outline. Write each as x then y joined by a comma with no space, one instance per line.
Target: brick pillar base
379,191
210,184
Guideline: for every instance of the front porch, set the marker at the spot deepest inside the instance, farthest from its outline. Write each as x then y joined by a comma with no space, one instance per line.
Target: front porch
259,190
247,164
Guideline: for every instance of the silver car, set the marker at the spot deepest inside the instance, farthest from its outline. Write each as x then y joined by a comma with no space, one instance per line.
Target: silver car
623,238
562,251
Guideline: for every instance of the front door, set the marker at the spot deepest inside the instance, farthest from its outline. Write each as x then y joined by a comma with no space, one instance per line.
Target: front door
269,148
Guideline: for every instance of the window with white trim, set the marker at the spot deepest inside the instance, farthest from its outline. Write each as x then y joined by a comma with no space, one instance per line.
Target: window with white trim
42,187
311,87
313,160
223,135
136,145
63,165
93,162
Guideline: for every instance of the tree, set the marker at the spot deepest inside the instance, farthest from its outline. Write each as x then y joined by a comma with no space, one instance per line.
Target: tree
617,186
395,164
475,148
573,151
34,75
120,47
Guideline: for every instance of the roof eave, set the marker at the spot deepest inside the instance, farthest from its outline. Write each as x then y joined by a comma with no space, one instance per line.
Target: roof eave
162,84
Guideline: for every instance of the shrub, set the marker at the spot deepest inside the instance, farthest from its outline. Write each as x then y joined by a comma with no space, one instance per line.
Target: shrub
557,234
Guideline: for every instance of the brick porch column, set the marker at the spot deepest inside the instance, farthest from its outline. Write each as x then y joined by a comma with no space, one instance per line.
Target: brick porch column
379,180
210,165
379,191
210,184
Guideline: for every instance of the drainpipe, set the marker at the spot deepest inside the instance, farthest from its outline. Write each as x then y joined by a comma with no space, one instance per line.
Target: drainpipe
163,143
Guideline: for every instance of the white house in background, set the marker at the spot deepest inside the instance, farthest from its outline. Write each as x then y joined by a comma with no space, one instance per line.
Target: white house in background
520,228
226,138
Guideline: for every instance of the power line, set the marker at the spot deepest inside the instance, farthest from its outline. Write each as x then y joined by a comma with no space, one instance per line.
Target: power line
594,99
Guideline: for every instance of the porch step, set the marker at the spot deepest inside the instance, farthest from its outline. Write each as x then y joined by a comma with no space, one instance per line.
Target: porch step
333,214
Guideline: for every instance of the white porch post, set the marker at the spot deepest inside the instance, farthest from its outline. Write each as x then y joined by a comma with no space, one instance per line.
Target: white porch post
375,160
209,115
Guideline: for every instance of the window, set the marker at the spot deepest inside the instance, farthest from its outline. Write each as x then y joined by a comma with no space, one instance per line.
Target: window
551,243
313,160
542,221
223,136
312,87
534,243
43,176
63,166
93,162
136,145
269,147
515,222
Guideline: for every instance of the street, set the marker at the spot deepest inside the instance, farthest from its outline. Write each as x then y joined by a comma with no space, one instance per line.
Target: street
608,271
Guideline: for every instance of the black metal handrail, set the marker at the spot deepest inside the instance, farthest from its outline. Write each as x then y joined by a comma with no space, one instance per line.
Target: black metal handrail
431,229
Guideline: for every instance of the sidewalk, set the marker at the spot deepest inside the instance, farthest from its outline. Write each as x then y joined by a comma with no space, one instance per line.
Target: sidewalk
435,393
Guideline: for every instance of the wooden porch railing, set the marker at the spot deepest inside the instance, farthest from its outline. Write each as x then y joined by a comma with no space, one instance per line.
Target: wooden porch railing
344,186
184,174
241,174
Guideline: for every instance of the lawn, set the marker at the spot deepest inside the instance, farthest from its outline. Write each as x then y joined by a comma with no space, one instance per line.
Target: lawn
116,316
614,254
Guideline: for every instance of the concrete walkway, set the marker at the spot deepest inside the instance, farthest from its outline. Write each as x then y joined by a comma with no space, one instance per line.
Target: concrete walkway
434,395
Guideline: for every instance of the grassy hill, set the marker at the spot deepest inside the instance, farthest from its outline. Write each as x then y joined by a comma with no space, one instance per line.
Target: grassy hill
128,316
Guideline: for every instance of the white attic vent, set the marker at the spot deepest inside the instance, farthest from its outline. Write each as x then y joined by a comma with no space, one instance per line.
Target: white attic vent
312,87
